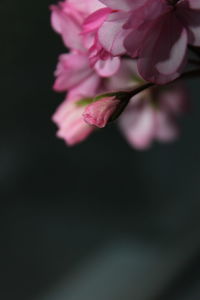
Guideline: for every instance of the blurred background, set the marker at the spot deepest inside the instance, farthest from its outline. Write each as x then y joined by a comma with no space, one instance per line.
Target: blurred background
99,221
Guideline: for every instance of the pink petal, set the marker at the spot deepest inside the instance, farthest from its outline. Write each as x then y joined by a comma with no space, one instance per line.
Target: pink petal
147,13
114,41
72,69
174,99
68,25
191,20
194,4
127,76
125,5
71,126
95,20
163,53
135,40
166,129
88,88
86,6
108,67
138,125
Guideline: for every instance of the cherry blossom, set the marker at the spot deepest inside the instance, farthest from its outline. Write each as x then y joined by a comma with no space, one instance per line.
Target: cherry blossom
122,55
156,31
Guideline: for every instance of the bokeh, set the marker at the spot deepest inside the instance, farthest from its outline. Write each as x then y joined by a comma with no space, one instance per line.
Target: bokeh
99,221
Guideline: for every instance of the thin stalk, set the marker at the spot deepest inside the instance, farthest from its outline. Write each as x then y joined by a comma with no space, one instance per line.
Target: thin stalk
127,95
187,75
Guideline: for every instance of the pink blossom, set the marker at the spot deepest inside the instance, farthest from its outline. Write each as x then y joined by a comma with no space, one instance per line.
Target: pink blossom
104,63
67,19
78,24
71,126
73,71
152,115
155,31
68,117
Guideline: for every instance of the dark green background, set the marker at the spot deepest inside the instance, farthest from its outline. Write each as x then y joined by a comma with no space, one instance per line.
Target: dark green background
59,205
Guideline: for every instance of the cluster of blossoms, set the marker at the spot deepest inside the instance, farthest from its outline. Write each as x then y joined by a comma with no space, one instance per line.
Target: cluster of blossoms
115,48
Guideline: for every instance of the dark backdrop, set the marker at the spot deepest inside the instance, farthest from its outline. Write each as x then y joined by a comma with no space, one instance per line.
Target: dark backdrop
60,205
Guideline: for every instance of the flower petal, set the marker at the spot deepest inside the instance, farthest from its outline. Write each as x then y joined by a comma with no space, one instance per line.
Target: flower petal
108,67
125,5
114,41
163,53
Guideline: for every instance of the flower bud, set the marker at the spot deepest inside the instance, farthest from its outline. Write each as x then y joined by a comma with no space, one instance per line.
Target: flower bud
101,112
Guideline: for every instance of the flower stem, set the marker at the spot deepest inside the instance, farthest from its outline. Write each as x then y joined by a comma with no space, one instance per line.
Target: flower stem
187,75
126,96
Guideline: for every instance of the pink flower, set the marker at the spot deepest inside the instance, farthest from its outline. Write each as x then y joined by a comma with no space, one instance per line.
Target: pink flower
156,31
75,75
78,23
99,113
104,63
152,115
71,126
67,19
73,71
94,54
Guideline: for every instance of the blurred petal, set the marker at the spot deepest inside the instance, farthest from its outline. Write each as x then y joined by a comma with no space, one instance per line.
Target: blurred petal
138,125
162,59
108,67
166,129
114,41
125,5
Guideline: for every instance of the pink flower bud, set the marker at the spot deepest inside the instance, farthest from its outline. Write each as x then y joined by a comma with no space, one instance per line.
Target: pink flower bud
99,113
